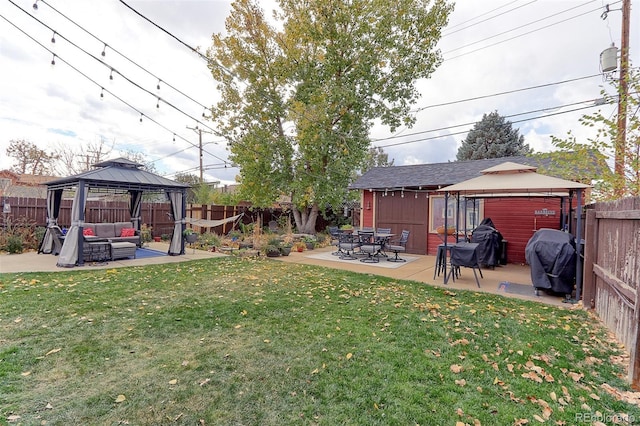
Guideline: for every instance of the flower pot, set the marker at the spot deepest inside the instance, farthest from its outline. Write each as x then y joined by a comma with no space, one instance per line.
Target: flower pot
273,253
310,246
450,230
157,239
285,251
191,238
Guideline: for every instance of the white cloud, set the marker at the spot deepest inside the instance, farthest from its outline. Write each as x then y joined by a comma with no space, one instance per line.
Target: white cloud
49,105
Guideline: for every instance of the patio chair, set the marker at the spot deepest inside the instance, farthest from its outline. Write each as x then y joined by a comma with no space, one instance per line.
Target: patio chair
347,244
464,255
399,246
370,247
334,232
382,240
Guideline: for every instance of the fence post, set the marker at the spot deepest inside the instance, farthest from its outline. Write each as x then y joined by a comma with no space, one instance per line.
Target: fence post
590,251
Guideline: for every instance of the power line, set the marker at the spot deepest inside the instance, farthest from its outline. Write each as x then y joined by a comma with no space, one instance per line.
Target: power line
487,19
512,38
469,124
103,89
540,86
160,79
130,81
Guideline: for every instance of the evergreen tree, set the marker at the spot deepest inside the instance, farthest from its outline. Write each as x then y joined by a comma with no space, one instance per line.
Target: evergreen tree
492,137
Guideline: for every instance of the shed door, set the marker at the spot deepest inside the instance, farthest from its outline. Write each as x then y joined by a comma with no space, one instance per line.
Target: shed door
410,213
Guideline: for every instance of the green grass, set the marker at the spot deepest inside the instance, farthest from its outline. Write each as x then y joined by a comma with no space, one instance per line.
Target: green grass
262,342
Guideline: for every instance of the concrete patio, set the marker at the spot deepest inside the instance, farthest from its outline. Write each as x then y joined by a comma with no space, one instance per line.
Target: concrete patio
421,269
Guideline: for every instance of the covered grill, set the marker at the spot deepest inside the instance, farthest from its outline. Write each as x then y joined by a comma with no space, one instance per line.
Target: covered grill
552,257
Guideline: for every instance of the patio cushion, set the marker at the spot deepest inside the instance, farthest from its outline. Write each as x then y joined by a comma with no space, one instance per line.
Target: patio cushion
127,232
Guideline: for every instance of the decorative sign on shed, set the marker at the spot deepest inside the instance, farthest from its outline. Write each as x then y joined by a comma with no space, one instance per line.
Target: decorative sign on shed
544,212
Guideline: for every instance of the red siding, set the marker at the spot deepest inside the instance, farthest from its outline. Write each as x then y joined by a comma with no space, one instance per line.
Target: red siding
517,222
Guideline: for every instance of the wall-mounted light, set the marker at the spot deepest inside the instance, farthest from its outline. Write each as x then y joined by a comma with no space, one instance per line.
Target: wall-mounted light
368,205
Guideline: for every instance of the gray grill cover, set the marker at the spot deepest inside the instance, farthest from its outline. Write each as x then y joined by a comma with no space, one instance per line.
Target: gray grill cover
552,257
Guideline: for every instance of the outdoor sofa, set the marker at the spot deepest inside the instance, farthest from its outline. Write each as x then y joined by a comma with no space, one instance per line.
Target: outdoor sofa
118,232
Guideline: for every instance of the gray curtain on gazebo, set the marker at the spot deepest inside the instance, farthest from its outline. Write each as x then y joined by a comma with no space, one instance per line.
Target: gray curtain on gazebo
135,204
54,199
69,254
177,207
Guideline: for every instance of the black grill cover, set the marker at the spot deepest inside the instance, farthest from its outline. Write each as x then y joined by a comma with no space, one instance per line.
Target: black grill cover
552,257
490,243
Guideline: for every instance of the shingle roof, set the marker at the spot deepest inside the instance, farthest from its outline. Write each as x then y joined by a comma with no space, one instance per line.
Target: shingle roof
435,175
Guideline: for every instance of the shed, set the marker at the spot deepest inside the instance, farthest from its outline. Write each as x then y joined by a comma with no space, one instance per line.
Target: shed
120,176
407,197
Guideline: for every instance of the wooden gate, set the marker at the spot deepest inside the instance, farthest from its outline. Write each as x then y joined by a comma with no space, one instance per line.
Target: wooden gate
612,272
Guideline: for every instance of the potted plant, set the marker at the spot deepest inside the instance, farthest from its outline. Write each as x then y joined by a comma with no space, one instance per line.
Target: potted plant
271,250
299,246
190,236
165,237
145,233
347,228
285,249
310,242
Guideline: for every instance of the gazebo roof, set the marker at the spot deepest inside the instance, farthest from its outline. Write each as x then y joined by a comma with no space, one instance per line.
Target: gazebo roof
118,174
513,179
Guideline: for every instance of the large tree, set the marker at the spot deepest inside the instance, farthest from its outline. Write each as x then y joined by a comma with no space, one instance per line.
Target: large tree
29,158
492,137
586,160
300,93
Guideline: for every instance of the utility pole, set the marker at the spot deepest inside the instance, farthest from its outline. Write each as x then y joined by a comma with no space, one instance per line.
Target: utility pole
199,131
623,91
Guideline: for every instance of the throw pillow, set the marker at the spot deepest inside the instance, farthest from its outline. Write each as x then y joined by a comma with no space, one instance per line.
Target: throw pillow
127,232
88,232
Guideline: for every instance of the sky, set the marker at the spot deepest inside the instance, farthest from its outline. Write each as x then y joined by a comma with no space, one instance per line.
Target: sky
532,61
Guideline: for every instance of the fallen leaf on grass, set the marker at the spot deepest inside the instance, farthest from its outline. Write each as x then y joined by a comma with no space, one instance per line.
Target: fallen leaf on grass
455,368
173,382
460,382
120,398
26,373
349,355
13,418
53,351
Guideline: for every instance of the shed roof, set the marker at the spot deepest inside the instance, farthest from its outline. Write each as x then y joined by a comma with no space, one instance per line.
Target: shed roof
119,174
435,175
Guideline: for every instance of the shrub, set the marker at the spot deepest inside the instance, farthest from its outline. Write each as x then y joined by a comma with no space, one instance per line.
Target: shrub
14,244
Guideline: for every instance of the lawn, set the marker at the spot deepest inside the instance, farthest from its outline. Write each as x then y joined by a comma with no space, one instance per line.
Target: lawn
231,341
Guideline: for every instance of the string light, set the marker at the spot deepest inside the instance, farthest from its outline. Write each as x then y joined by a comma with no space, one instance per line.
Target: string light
111,74
158,103
416,197
158,85
203,113
53,37
104,50
53,60
141,114
35,5
174,137
102,93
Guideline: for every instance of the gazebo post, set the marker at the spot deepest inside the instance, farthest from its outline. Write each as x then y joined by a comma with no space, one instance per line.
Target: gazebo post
446,215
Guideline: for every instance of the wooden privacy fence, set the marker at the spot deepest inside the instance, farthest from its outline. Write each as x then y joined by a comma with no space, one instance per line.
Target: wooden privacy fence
612,272
156,215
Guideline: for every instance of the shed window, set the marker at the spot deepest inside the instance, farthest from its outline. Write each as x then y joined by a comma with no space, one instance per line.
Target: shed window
471,209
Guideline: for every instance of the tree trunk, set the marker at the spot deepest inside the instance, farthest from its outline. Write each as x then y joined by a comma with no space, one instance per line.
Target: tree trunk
306,219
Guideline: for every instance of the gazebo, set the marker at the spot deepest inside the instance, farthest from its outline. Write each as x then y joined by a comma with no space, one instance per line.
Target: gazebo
517,180
120,176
